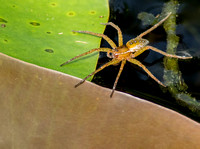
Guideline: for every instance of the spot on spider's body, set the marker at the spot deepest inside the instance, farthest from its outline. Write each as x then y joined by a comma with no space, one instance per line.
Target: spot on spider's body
132,42
136,44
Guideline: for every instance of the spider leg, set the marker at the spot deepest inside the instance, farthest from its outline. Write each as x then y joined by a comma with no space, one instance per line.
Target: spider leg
120,38
88,52
154,27
166,54
112,44
136,62
112,62
118,75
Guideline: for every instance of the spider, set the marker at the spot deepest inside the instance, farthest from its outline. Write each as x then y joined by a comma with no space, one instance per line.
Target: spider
123,53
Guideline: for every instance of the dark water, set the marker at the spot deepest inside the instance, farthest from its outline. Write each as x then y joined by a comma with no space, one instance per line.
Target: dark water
133,79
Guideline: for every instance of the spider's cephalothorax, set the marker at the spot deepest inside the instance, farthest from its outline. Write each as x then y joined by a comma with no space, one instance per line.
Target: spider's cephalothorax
123,53
119,52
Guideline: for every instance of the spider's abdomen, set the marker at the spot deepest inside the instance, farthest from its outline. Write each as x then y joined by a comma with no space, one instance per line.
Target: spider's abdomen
136,44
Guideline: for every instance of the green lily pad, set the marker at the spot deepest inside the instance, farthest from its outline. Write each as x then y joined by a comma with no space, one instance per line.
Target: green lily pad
40,32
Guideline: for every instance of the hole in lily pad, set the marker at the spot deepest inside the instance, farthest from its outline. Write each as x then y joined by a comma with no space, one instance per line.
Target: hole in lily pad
48,32
3,25
5,40
71,13
92,12
49,50
35,23
53,4
3,20
74,33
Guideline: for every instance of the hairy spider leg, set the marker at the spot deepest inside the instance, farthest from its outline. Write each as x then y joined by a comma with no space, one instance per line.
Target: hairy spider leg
154,27
112,44
137,53
120,37
112,62
136,62
164,53
88,52
118,75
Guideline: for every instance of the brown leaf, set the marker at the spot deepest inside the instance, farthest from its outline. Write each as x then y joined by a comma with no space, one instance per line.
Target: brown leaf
40,108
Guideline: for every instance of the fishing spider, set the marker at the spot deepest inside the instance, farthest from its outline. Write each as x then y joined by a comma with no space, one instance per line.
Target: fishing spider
123,53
